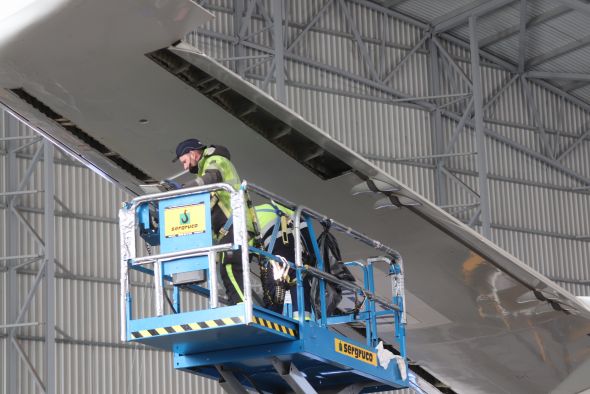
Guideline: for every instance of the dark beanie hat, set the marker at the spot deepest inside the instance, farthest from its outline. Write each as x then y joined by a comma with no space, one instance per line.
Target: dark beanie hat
188,145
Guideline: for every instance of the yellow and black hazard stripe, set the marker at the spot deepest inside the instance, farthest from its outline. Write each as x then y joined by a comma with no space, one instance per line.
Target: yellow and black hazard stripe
275,326
226,321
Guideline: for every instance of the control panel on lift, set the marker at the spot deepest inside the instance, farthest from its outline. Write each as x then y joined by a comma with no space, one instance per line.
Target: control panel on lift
185,224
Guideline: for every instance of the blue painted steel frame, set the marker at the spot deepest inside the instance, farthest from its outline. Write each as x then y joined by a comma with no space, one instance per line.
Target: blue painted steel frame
183,318
310,344
315,344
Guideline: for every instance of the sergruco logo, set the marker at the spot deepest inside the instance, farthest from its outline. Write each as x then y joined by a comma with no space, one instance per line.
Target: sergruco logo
185,217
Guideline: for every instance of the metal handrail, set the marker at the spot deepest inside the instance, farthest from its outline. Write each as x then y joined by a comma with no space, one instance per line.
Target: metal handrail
322,218
353,287
397,279
181,192
240,239
397,282
183,253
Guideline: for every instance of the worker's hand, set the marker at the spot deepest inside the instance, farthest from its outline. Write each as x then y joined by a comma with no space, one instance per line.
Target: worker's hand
170,184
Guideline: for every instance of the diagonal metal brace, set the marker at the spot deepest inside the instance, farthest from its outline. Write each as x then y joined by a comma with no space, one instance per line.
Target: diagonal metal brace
354,389
292,376
230,383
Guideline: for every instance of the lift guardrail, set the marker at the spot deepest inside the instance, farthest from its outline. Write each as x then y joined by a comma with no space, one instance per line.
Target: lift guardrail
129,258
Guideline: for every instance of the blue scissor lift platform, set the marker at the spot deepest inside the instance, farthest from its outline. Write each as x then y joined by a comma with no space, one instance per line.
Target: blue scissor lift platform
245,346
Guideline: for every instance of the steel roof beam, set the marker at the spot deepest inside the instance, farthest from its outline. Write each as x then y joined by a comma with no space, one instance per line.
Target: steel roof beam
461,15
574,85
560,92
511,31
277,9
425,104
507,65
577,5
241,24
552,75
390,3
557,52
502,63
388,11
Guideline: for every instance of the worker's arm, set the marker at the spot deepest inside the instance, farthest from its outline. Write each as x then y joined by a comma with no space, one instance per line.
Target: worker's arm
209,177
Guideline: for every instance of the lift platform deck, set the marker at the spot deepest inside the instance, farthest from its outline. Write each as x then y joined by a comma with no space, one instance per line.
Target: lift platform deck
246,346
203,340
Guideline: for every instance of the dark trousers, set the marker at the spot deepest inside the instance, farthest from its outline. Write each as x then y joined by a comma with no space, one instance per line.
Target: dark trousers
230,262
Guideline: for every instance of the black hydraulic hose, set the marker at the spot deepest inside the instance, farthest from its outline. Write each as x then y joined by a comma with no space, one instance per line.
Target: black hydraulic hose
169,302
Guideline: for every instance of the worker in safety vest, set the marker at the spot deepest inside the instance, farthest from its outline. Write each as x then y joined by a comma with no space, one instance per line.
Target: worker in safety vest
211,164
276,229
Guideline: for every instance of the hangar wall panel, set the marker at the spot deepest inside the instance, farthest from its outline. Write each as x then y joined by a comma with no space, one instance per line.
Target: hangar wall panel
96,369
3,339
539,252
2,361
529,197
90,358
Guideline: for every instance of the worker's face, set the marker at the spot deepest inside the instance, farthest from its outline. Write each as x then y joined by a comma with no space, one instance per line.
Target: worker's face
189,160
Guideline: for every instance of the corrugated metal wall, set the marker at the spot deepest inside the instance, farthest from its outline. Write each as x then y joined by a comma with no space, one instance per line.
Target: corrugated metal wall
90,357
535,214
2,321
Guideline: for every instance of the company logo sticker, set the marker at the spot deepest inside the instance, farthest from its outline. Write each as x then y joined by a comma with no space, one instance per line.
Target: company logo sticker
184,220
358,353
185,217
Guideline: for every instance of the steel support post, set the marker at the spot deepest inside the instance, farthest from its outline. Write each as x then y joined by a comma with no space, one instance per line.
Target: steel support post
515,29
436,122
536,118
277,9
15,223
12,240
522,37
49,289
239,29
482,166
382,53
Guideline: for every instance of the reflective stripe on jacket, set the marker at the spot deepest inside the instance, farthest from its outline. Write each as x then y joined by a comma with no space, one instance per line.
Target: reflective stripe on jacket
211,161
